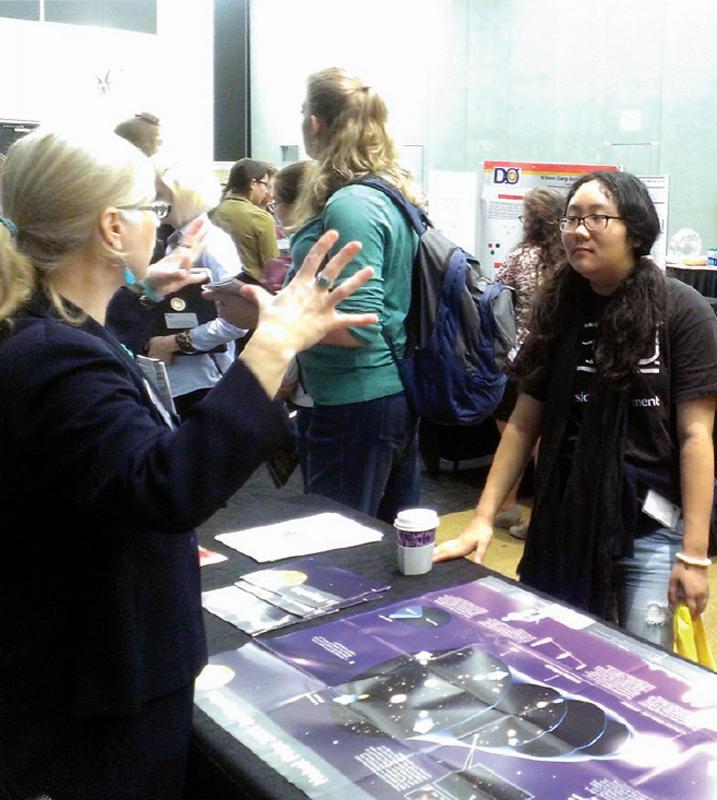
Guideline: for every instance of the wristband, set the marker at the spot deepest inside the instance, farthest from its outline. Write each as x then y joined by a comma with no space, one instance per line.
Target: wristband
694,561
149,292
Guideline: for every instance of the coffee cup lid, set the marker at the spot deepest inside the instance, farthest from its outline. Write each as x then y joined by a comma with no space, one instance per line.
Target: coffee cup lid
416,519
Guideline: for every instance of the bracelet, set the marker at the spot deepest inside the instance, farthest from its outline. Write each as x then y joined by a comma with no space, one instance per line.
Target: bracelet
149,292
184,342
694,561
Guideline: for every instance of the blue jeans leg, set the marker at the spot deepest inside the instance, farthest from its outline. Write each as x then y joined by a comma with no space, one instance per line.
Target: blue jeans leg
303,418
365,455
642,582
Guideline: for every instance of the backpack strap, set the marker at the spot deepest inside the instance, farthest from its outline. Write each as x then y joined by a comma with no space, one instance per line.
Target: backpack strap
415,216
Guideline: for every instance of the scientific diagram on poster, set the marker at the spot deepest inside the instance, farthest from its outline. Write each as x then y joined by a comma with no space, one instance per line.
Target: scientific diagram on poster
478,691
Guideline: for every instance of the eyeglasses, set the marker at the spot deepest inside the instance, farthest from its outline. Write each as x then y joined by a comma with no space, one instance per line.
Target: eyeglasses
256,180
159,208
592,222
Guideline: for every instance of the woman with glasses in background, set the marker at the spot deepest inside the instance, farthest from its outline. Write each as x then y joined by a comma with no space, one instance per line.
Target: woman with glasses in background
198,356
101,632
242,216
618,380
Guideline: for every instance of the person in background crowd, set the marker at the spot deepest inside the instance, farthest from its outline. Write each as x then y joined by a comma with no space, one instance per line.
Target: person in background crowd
267,202
143,131
287,187
288,183
538,254
240,214
276,268
618,379
361,441
192,367
102,638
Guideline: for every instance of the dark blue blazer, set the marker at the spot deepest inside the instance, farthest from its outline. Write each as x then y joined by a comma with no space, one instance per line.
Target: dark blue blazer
99,580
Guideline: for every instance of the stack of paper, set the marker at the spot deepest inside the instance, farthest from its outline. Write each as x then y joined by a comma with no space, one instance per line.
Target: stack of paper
271,598
299,537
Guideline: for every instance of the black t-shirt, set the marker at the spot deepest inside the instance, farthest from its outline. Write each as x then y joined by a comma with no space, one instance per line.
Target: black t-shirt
681,366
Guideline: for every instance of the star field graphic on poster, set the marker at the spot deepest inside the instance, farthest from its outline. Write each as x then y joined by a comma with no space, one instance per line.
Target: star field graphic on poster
478,691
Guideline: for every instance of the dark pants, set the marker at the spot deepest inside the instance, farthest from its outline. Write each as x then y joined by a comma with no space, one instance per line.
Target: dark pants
365,455
138,757
301,427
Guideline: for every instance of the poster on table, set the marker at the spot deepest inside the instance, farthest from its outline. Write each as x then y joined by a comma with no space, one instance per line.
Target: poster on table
504,184
477,691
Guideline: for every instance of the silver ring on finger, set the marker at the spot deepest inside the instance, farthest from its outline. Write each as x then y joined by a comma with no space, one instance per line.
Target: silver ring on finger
323,282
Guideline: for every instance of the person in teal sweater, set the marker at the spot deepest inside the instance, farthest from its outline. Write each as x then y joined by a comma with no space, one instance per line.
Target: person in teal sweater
361,442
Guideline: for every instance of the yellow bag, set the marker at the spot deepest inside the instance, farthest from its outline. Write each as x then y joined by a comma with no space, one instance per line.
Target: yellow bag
690,640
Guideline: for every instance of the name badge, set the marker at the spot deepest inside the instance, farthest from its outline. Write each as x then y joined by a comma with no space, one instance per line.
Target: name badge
661,509
180,321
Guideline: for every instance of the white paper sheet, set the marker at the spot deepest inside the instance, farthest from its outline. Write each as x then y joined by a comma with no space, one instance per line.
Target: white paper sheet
299,537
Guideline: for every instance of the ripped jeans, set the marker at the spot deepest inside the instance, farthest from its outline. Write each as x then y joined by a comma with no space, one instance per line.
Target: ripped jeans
642,582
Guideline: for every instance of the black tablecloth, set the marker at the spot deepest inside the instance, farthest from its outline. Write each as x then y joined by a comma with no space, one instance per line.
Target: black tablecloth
220,767
704,280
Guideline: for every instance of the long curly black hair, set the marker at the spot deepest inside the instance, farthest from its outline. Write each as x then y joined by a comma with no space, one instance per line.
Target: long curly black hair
626,330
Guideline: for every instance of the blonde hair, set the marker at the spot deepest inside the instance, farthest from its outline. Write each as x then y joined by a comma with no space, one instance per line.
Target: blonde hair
17,277
55,186
354,143
195,189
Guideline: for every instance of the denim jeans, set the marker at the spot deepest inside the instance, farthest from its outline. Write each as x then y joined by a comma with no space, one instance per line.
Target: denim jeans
642,582
365,455
301,426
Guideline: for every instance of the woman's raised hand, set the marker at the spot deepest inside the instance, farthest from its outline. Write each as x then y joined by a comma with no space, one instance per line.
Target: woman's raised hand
172,273
303,312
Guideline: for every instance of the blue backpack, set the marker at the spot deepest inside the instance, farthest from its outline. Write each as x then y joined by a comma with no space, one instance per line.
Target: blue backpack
460,327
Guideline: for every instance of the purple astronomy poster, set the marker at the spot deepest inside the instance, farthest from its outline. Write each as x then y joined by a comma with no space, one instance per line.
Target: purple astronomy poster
478,691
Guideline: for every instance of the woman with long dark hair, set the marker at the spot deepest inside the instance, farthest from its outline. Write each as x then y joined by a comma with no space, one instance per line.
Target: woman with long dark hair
618,379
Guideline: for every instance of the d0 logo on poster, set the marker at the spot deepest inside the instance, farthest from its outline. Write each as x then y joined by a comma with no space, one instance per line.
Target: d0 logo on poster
510,175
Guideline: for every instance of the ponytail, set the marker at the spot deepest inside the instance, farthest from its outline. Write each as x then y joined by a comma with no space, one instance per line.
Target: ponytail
355,143
17,276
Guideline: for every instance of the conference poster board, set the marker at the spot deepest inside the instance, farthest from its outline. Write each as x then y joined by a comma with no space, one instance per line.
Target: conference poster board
483,690
504,184
659,188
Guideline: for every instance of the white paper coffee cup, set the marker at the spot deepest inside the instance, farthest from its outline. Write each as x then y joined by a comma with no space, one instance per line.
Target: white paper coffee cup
415,539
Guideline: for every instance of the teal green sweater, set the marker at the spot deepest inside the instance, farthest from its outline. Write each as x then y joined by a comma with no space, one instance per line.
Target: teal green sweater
336,375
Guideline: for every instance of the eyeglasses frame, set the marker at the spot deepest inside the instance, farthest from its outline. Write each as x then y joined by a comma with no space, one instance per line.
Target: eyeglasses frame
563,222
156,207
